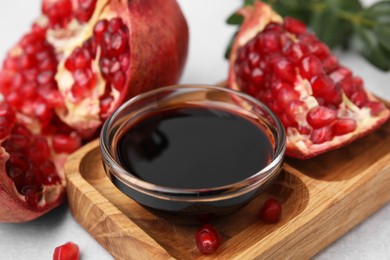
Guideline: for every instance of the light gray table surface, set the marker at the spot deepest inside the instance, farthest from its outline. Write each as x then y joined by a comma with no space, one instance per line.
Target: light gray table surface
205,64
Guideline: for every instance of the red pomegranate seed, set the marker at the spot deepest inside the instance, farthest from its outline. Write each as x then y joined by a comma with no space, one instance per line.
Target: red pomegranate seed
358,82
321,116
99,29
268,42
49,173
257,77
118,80
344,126
271,211
359,98
310,67
294,26
321,135
340,74
84,78
319,49
85,10
59,12
105,104
297,51
376,107
104,65
207,239
254,59
347,86
331,63
45,77
283,69
286,95
322,86
65,143
68,251
118,43
115,24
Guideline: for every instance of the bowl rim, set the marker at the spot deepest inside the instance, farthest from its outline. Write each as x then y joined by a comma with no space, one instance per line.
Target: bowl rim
189,194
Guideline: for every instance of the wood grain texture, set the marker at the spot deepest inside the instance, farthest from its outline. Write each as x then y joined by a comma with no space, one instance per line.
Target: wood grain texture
322,198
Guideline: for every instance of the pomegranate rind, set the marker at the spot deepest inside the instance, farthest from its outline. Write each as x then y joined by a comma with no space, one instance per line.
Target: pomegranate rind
299,145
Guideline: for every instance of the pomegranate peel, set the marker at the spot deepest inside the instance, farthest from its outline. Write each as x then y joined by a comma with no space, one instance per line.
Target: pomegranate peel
286,67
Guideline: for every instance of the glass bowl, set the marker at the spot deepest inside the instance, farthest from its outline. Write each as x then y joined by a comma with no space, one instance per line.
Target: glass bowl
171,201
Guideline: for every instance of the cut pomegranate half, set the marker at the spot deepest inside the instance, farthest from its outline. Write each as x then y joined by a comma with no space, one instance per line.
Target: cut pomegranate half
321,103
83,58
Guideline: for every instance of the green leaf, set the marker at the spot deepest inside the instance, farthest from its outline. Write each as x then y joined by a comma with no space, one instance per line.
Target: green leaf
379,11
352,6
330,29
249,2
235,19
371,49
382,32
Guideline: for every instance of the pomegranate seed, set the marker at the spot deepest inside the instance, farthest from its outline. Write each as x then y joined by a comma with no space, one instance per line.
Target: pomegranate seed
376,107
322,86
82,59
331,63
271,211
15,100
286,95
340,74
85,10
294,26
49,173
321,116
34,199
321,135
319,49
284,69
45,77
118,43
84,78
79,93
59,12
254,59
359,98
297,51
207,239
105,104
104,65
91,46
344,126
268,42
310,67
99,29
68,251
358,83
257,77
119,80
43,112
115,24
65,144
124,61
347,86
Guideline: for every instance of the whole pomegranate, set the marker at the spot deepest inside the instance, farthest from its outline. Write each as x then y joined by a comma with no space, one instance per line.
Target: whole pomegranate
321,104
80,61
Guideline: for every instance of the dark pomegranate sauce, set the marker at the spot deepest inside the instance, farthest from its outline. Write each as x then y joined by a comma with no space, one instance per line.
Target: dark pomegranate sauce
194,147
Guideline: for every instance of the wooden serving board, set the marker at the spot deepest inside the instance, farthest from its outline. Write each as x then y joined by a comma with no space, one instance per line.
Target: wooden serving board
322,198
